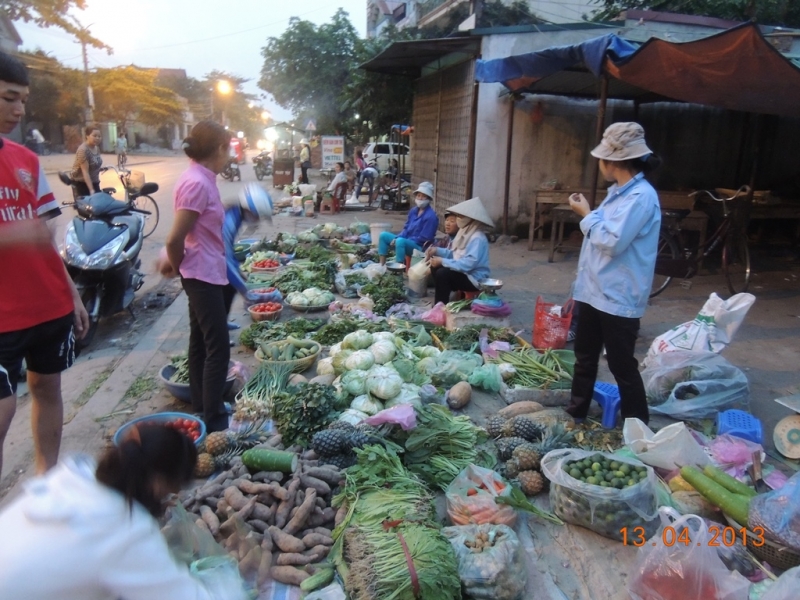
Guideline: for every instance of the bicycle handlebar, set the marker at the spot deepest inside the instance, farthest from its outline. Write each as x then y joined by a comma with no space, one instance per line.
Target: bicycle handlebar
744,190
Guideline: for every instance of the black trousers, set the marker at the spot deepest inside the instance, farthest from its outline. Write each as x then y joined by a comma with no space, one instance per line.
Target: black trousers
303,174
618,334
209,349
80,189
449,281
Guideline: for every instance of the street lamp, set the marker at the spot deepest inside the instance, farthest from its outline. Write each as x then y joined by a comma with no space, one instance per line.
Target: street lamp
265,116
223,87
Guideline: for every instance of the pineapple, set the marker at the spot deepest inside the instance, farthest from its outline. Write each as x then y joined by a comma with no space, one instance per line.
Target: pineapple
343,425
222,442
555,438
527,456
523,427
217,443
512,468
342,461
505,446
531,482
209,463
330,442
494,426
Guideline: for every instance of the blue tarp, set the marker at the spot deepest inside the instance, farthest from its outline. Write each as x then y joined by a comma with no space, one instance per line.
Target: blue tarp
535,65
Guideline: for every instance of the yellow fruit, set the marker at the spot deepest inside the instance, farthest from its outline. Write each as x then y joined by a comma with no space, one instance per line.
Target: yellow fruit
531,482
217,443
205,465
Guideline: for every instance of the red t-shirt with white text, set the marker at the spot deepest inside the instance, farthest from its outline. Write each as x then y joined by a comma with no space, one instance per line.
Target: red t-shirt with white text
33,283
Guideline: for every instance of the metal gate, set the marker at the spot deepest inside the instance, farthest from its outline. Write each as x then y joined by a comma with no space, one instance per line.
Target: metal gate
444,127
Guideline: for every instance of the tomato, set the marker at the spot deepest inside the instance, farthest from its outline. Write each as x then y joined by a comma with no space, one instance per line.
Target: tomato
194,435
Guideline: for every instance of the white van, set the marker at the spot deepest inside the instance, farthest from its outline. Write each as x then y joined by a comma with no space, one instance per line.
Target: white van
384,152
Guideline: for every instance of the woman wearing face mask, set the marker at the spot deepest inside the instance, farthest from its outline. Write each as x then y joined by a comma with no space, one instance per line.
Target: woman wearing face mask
466,263
419,231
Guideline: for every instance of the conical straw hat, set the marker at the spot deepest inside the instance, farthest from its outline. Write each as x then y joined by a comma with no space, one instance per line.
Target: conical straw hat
472,208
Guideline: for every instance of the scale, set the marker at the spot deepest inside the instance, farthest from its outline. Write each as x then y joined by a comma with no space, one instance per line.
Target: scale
395,267
489,288
786,435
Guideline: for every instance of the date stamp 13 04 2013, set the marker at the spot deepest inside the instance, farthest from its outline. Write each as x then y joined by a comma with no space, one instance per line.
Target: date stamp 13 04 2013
718,536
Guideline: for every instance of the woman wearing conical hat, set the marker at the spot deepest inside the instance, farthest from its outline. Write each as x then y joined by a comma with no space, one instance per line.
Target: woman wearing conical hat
461,267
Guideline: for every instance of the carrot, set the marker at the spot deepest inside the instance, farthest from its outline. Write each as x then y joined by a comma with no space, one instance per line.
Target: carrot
472,492
499,486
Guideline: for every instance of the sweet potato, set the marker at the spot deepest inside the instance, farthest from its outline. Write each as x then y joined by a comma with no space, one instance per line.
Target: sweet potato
266,541
251,562
321,503
266,563
322,531
220,477
207,491
285,507
222,509
327,516
310,455
328,474
267,476
340,515
211,501
293,558
250,487
285,541
258,525
295,449
315,539
202,524
245,512
520,408
318,552
210,519
262,512
289,575
318,485
298,521
234,497
275,440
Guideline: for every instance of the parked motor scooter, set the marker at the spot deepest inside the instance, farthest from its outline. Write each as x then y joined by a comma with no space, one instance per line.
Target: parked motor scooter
231,171
262,164
101,252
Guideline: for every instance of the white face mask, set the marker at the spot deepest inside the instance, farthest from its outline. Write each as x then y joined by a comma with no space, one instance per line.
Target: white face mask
422,203
463,222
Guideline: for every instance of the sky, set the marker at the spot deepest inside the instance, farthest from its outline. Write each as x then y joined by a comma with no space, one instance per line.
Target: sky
196,35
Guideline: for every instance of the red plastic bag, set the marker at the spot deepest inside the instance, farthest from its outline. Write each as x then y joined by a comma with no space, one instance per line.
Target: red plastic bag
470,498
550,328
678,563
436,315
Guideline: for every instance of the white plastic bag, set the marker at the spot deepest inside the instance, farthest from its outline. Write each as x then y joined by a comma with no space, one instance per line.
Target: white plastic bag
672,447
678,562
786,588
418,277
694,385
711,330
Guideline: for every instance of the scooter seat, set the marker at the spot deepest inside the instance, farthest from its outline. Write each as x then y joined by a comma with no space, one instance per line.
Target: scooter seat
133,222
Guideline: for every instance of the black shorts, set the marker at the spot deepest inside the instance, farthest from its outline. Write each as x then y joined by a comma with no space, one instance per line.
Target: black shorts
47,348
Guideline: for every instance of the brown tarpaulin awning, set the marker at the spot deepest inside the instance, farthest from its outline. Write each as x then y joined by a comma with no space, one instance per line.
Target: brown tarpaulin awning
737,69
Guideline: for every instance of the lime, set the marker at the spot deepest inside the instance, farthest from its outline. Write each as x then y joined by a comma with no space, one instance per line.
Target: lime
588,472
616,482
604,484
619,474
597,467
592,480
608,476
614,465
626,469
631,482
575,473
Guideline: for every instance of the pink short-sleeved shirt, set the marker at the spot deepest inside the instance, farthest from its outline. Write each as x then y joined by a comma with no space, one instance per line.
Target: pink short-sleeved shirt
204,254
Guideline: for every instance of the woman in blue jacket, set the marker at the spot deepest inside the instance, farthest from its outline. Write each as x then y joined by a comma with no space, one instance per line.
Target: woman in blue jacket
615,269
466,263
419,231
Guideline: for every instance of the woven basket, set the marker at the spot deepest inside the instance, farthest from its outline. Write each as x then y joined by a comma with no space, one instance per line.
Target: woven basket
308,309
264,316
298,365
775,554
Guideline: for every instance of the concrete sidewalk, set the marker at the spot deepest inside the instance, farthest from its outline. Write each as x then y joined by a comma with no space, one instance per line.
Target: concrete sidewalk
53,163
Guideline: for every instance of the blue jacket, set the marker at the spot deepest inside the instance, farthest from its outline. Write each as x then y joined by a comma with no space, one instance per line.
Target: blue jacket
230,228
421,228
475,261
618,256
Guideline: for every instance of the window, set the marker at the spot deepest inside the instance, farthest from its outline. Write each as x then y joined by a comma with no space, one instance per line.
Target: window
382,149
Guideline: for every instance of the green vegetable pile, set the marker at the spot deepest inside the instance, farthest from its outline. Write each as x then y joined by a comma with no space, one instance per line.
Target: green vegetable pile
467,338
549,370
296,279
442,445
254,401
181,374
270,331
334,332
315,253
289,349
385,292
303,410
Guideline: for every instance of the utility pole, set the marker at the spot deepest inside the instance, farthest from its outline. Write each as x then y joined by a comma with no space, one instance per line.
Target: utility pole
83,37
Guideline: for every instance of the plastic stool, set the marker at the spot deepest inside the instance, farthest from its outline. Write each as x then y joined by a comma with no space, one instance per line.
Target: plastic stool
607,396
463,295
740,424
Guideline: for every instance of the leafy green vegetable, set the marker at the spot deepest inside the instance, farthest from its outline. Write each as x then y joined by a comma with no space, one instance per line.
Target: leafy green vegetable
334,332
385,292
303,410
271,331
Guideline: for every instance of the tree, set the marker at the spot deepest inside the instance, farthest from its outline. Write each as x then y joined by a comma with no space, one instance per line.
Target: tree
307,69
129,93
57,92
769,12
49,13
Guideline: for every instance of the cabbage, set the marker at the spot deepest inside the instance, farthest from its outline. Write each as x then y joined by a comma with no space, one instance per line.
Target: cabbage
307,237
405,368
358,340
352,416
355,382
426,364
426,351
383,351
360,359
335,349
384,383
297,299
339,361
383,335
325,366
317,297
415,402
366,405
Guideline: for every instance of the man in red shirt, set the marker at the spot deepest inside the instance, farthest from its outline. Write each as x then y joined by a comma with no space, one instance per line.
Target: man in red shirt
41,312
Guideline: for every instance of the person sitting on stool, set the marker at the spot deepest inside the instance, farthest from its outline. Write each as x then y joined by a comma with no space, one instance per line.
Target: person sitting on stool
450,231
462,267
419,231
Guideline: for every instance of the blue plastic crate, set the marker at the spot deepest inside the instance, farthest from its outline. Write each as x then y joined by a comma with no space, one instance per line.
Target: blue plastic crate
741,424
607,396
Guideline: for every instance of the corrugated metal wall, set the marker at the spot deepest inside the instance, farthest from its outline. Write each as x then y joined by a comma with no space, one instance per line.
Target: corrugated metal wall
441,154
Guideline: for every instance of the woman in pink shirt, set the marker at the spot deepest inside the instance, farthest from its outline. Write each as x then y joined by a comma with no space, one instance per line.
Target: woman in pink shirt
196,251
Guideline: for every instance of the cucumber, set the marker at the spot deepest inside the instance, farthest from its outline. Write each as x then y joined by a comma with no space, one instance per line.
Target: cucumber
287,352
318,580
261,459
309,344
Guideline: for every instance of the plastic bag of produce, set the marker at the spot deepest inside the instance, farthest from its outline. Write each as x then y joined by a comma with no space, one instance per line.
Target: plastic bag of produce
786,588
694,385
711,330
491,564
603,509
778,512
453,366
670,448
679,562
487,378
220,576
186,541
470,498
349,281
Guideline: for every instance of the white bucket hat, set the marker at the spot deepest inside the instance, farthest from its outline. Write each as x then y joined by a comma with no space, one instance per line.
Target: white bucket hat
473,209
304,141
426,187
622,141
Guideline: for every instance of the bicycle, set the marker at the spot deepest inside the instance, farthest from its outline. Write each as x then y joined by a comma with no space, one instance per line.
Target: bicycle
122,159
137,192
674,259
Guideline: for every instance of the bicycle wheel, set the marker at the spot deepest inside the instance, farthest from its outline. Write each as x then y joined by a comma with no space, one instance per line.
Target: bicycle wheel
736,263
151,220
668,249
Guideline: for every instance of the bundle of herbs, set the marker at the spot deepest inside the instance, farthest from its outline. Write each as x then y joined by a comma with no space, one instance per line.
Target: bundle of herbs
296,279
385,292
181,364
467,338
271,331
303,410
551,369
314,253
254,401
442,445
